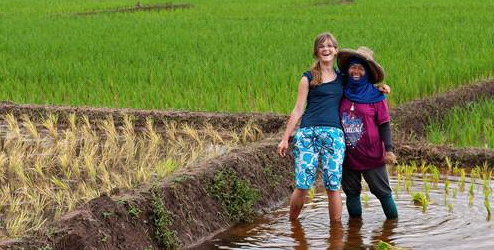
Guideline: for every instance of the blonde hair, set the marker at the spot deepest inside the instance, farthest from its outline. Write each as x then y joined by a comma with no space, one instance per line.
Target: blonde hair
315,70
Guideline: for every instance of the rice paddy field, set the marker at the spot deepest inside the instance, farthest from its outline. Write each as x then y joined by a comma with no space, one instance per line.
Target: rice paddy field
218,56
229,55
468,126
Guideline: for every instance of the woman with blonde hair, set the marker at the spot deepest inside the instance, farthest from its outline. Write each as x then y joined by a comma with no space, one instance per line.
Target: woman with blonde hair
320,135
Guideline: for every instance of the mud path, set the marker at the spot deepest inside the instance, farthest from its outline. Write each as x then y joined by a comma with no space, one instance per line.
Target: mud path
194,213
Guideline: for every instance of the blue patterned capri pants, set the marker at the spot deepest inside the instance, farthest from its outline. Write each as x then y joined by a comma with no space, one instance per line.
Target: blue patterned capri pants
314,144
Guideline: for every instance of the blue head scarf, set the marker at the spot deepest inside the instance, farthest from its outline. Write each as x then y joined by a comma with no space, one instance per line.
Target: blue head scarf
362,90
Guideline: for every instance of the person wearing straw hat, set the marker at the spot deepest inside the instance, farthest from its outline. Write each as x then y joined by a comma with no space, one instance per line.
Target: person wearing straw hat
365,119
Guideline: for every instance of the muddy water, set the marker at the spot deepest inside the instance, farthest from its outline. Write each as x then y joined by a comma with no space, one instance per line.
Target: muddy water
451,220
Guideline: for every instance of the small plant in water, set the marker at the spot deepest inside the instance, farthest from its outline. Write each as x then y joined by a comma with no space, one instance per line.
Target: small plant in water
450,207
471,193
420,200
446,186
311,193
365,199
486,203
382,245
427,188
424,169
435,175
462,180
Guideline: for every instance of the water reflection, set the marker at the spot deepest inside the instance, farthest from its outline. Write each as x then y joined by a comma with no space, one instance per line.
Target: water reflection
298,235
462,227
335,240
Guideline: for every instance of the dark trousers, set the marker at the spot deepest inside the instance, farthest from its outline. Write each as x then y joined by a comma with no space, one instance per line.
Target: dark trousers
377,180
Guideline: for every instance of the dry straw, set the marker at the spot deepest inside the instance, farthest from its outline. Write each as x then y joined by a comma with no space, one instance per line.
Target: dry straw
47,169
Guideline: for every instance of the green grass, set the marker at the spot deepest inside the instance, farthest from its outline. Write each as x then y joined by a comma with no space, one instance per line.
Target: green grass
230,55
466,126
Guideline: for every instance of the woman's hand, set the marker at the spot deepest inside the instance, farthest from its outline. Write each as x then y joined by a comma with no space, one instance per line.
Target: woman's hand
390,158
384,88
283,148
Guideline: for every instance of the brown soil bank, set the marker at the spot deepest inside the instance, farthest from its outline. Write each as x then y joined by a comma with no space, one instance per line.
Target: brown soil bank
210,196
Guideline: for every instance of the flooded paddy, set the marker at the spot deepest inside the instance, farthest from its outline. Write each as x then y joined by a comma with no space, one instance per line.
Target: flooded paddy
456,215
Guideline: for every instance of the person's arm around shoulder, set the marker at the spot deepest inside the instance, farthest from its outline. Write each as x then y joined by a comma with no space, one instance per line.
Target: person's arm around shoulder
383,87
298,110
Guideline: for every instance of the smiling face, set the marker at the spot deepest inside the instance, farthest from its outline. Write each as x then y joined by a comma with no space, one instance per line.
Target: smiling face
325,47
356,71
326,51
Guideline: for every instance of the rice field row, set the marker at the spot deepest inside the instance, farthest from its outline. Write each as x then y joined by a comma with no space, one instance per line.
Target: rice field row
230,55
464,180
468,126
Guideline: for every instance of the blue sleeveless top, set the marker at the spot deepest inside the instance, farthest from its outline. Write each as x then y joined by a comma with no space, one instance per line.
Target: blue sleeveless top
323,103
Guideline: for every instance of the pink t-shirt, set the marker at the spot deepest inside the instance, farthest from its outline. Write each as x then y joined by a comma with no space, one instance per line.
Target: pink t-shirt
360,122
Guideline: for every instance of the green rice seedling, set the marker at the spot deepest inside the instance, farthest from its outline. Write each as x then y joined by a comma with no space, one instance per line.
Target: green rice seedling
435,176
456,170
446,186
420,199
486,178
487,204
382,245
449,164
424,168
408,185
410,170
475,173
471,193
450,207
311,193
397,188
462,180
365,199
427,187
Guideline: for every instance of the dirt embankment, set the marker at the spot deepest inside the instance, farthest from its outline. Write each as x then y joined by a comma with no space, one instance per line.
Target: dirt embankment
182,211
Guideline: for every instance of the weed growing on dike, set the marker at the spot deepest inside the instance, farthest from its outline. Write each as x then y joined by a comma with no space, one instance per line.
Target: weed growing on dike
236,194
163,219
47,170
